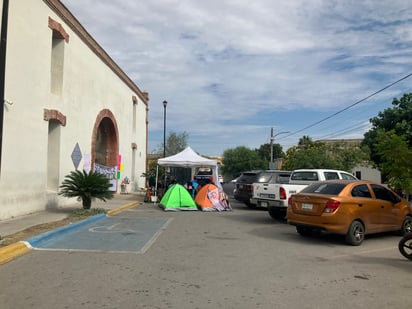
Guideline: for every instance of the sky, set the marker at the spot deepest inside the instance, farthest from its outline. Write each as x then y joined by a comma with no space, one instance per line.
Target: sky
233,70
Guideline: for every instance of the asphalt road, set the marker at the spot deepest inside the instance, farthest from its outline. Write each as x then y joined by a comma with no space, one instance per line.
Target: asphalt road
238,259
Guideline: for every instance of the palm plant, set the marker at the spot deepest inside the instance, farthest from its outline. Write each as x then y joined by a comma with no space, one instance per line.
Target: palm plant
86,187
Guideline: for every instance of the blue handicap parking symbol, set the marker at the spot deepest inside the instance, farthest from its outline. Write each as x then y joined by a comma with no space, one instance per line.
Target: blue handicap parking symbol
112,234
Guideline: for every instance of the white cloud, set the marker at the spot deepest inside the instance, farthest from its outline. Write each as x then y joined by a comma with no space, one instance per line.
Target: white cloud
231,70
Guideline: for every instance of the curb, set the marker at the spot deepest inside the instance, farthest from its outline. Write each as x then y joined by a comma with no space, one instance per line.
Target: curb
17,249
12,251
115,211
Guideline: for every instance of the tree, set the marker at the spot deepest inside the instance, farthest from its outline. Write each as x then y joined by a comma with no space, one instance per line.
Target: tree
309,154
305,141
396,161
150,174
264,152
86,187
175,143
347,157
398,118
240,159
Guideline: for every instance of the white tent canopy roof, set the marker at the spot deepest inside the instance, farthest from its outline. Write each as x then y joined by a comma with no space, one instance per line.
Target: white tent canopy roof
187,158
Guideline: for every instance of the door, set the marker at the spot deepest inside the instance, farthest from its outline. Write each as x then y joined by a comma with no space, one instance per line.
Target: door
368,208
390,207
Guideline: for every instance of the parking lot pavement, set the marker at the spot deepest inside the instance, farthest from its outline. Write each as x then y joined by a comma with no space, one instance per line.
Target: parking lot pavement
117,204
237,259
19,223
110,234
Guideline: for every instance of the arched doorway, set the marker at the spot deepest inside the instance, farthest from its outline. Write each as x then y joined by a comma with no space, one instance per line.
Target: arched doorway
105,145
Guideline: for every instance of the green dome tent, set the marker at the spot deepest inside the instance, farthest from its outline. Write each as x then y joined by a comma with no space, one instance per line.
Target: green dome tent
177,198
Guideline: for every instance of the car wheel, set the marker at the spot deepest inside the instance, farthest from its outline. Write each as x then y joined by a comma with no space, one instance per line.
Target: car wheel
407,225
304,231
356,233
277,214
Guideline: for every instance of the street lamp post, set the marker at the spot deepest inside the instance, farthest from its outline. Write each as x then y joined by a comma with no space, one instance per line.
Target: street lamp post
164,128
164,143
272,140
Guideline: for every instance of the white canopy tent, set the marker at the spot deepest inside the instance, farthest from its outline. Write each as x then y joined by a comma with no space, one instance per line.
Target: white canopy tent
189,158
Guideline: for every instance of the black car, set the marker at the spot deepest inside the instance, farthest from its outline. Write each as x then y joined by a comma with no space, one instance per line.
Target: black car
203,175
243,190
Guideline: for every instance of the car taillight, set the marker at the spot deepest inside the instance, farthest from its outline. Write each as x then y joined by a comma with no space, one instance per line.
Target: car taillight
282,193
331,206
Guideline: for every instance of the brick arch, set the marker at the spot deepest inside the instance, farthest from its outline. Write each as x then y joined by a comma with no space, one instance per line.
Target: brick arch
53,114
58,30
105,139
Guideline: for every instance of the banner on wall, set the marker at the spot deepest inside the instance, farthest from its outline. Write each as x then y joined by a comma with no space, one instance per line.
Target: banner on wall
87,162
110,172
119,165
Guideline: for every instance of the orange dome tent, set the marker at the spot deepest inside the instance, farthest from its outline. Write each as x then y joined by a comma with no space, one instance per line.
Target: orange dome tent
204,202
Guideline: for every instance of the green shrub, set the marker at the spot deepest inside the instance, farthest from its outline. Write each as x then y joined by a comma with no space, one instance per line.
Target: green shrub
86,187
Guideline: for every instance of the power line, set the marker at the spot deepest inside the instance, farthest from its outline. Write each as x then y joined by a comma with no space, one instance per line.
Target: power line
344,131
350,106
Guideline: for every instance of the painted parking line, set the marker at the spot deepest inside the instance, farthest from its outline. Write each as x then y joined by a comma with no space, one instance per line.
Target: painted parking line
111,234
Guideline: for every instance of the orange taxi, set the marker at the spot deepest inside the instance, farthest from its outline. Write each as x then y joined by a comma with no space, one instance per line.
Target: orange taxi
351,208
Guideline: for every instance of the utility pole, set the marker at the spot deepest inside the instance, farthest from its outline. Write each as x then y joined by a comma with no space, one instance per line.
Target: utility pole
272,138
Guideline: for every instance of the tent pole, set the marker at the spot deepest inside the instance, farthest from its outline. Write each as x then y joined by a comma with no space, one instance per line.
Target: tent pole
157,172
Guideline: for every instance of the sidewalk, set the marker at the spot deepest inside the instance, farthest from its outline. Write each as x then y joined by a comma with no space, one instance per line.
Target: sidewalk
118,203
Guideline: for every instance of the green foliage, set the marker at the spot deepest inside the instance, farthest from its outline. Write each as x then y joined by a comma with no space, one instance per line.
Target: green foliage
240,159
264,152
305,141
175,143
320,155
86,187
310,156
396,159
398,118
347,157
150,175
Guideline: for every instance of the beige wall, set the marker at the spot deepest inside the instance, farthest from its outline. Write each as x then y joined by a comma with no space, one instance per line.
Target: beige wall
367,173
89,86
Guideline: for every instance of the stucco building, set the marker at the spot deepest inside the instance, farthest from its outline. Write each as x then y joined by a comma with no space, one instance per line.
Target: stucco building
66,105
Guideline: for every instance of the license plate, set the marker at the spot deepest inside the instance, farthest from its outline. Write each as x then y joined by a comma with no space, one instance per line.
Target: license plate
307,206
264,204
267,195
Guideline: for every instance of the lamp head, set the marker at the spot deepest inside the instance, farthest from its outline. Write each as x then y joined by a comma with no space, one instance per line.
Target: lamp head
164,103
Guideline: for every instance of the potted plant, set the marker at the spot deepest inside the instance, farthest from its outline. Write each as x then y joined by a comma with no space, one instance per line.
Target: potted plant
86,186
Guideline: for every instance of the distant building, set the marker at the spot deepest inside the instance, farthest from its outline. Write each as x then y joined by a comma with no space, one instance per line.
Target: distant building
345,143
67,105
367,173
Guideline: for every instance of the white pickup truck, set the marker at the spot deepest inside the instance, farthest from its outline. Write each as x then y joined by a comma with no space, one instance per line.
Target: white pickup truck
277,194
262,192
